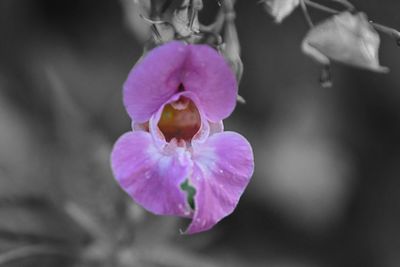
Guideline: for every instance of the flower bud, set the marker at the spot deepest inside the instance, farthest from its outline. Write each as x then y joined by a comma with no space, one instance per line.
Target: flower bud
280,9
346,38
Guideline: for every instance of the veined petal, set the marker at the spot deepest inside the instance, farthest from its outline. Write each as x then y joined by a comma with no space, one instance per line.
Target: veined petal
154,80
150,176
223,166
209,76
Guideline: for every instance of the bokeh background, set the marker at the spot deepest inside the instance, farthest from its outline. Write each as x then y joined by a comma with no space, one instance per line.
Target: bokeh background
326,189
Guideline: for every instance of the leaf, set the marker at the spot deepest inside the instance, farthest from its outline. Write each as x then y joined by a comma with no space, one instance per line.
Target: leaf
280,9
345,38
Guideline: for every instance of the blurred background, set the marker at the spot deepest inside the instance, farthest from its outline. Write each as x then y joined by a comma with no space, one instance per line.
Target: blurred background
326,190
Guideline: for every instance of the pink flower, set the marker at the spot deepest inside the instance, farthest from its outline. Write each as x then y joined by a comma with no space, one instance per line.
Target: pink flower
177,160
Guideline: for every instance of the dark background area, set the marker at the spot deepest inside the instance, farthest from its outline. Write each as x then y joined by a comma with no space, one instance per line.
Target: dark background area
326,190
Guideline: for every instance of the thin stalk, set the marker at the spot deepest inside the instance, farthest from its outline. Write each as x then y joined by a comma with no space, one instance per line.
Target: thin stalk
306,14
321,7
156,33
387,30
153,23
192,14
349,6
229,10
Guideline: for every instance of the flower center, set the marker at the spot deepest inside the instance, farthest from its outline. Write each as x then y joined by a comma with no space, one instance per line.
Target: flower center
180,120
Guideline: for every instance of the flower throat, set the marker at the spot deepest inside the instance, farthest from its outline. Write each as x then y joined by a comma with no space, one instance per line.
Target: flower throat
180,120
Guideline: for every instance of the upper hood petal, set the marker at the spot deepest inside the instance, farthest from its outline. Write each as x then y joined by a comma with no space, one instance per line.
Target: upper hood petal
209,76
153,80
198,68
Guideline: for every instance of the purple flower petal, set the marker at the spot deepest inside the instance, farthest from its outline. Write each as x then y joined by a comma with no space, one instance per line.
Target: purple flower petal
216,127
222,169
150,176
198,68
154,80
208,75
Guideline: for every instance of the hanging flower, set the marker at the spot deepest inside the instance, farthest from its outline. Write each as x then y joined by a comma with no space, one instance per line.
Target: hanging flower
280,9
346,38
178,160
